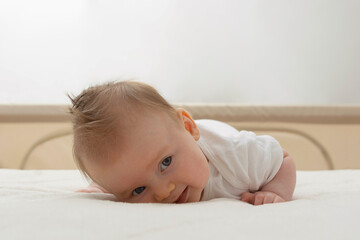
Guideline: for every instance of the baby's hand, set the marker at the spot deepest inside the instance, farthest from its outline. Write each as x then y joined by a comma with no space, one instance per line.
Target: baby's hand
92,188
259,198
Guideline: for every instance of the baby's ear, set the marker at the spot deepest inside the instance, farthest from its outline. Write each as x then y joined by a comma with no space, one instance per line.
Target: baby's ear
188,123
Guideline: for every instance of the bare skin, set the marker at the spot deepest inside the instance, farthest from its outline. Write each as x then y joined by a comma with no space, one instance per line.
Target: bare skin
93,188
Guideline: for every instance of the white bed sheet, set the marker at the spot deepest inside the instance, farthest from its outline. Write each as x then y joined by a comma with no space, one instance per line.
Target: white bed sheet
43,205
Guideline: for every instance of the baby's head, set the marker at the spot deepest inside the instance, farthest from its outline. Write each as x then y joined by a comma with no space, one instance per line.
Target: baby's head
132,142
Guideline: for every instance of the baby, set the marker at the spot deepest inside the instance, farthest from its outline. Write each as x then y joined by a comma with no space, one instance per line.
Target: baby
132,143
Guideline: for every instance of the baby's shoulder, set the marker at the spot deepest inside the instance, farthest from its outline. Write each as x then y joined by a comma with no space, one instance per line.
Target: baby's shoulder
223,133
214,125
216,129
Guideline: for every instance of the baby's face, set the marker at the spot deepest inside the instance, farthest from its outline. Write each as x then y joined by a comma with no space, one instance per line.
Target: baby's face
157,161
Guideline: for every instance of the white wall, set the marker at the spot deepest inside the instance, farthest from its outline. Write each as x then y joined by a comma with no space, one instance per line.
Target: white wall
250,52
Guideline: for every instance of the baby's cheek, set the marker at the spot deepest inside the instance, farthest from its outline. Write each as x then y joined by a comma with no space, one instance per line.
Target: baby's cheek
202,175
202,170
206,174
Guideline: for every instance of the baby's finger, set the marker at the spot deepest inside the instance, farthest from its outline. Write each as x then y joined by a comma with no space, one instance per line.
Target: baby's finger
247,197
90,190
278,199
269,198
259,199
84,190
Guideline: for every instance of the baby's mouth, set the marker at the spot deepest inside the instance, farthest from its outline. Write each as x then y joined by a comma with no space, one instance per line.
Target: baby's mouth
182,197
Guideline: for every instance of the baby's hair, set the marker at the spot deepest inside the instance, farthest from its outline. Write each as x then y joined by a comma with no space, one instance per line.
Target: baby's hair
97,113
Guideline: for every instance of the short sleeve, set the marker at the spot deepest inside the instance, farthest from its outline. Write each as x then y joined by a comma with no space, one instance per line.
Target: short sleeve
264,157
245,161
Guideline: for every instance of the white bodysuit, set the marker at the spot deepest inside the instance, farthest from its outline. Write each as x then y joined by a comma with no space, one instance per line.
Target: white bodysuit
239,161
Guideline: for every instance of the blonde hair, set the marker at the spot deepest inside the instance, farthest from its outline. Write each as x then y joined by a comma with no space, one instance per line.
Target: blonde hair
97,111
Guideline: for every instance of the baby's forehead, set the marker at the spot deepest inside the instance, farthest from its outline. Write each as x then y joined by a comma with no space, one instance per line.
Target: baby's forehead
139,118
138,136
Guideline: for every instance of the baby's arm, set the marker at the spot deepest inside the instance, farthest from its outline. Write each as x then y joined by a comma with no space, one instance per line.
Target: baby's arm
279,189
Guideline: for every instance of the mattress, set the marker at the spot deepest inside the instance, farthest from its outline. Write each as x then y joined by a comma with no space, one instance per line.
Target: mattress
43,204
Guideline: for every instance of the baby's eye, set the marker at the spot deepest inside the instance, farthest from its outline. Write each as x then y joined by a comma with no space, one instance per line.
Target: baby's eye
138,190
165,163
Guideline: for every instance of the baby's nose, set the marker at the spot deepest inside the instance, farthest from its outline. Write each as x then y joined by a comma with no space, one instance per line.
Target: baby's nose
162,192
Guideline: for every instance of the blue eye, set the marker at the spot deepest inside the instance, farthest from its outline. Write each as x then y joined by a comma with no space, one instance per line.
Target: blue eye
165,163
138,190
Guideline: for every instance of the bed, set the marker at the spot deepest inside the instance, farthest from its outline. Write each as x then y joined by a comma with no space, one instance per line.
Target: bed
38,180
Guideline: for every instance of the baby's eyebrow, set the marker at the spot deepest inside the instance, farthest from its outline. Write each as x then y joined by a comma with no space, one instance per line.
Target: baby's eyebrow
121,196
124,194
161,154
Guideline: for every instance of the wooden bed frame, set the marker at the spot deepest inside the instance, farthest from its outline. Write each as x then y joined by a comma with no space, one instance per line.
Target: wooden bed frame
318,137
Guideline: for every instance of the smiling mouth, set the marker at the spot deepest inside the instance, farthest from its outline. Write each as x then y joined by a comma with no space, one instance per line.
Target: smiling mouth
182,197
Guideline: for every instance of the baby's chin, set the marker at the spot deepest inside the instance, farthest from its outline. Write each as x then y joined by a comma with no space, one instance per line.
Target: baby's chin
197,197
